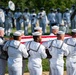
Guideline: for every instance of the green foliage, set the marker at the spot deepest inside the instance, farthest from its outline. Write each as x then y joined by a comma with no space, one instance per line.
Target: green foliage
37,4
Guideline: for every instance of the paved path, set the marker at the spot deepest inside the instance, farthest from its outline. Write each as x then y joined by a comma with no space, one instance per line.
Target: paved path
44,73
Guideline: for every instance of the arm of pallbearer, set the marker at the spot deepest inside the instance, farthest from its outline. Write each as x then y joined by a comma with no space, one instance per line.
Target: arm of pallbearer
46,45
4,54
6,45
24,51
48,54
66,50
43,52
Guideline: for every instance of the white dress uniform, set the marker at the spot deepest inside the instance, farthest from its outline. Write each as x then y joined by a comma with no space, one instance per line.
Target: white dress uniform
66,17
36,53
8,23
16,51
2,61
71,58
58,18
17,16
57,49
74,21
24,60
42,20
2,18
26,21
33,18
52,19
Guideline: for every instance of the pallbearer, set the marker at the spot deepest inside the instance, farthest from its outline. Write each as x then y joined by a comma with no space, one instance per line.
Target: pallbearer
71,58
57,49
36,53
2,56
16,52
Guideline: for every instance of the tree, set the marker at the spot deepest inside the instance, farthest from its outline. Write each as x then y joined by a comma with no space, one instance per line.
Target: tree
37,4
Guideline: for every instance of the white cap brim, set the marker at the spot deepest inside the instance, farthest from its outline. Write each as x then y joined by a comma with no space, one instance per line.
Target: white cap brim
17,33
38,28
1,28
61,32
21,31
36,34
74,30
55,27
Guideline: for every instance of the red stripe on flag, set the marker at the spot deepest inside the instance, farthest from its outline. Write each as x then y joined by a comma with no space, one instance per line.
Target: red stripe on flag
44,38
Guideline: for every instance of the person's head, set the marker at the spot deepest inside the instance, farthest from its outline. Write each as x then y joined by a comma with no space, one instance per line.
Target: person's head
7,10
26,10
17,36
1,32
51,10
58,9
22,32
67,10
33,10
73,6
55,29
18,9
73,33
37,36
55,10
38,29
42,8
60,35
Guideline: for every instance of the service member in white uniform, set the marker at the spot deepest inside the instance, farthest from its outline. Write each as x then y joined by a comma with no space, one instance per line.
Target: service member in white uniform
33,19
26,20
18,19
66,18
8,22
24,61
55,30
2,18
36,53
52,18
57,49
42,19
71,58
2,61
16,51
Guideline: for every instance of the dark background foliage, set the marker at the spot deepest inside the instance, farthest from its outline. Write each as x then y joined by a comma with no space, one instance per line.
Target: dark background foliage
37,4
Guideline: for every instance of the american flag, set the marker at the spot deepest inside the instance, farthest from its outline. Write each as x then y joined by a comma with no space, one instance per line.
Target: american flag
44,38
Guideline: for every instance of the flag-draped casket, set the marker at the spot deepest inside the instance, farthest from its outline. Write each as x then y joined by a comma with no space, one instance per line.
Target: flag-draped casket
44,38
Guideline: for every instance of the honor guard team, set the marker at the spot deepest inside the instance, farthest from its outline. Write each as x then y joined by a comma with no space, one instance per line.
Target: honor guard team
35,52
15,54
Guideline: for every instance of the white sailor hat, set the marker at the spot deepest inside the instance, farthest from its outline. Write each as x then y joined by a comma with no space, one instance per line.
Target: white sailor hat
1,28
36,34
61,32
74,30
21,31
17,33
55,27
38,28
